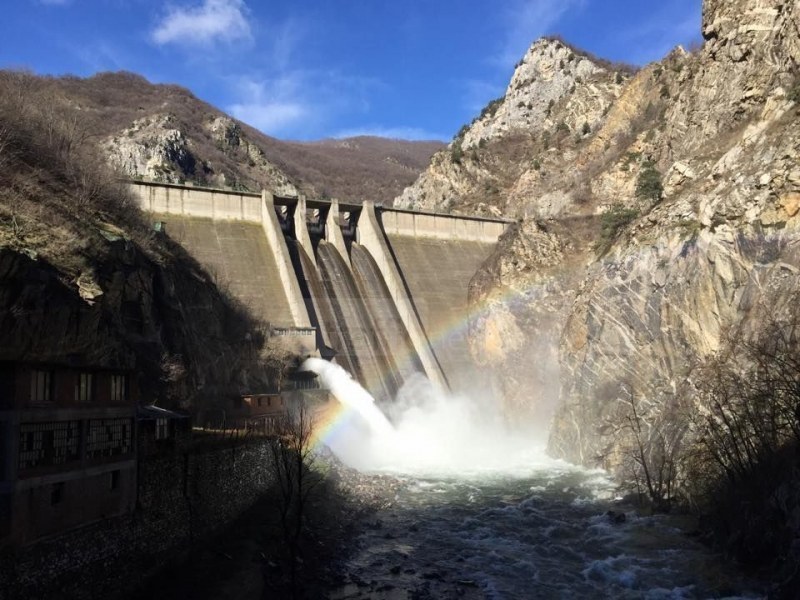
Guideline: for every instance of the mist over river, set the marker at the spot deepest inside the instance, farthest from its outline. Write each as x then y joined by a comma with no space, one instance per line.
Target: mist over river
481,513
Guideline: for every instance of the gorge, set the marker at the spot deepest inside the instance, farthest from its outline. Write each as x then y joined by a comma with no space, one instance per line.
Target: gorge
578,320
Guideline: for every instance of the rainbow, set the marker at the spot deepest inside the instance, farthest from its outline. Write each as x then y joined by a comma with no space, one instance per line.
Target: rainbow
329,422
334,418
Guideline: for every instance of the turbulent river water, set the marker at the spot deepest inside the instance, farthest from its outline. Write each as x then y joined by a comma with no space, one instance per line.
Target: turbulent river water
541,532
477,513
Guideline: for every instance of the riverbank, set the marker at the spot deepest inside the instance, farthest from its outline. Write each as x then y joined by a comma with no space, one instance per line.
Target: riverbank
247,561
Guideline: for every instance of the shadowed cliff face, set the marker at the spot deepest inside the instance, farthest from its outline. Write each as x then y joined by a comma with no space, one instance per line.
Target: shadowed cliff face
188,346
615,287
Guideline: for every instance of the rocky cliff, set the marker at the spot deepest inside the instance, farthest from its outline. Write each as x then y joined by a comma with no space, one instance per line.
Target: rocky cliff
657,213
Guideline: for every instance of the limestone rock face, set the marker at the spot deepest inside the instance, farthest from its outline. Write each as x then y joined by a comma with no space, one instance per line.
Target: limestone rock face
153,148
611,289
549,73
556,91
158,148
522,288
751,56
228,136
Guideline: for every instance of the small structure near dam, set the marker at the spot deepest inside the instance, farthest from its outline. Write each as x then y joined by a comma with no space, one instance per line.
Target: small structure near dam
383,290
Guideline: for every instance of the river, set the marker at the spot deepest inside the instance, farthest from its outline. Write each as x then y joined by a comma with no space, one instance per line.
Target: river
542,532
482,512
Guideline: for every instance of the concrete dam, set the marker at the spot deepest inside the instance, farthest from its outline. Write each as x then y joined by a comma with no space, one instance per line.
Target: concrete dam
382,291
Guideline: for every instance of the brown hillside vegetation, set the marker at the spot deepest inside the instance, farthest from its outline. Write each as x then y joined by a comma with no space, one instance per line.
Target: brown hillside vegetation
120,104
83,278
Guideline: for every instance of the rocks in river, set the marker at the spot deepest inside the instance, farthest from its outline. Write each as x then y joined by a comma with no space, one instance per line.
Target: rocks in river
616,518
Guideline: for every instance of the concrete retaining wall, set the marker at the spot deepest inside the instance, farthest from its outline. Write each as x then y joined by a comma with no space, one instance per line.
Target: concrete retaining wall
183,497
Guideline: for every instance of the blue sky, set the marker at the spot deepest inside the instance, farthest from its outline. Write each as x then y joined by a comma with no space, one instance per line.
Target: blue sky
309,69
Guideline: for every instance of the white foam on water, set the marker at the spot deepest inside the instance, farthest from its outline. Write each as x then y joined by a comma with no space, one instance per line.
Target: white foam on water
431,432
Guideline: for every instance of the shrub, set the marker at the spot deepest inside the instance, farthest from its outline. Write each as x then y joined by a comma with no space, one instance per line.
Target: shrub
650,437
619,78
794,93
456,152
586,129
648,184
491,108
611,222
562,126
748,431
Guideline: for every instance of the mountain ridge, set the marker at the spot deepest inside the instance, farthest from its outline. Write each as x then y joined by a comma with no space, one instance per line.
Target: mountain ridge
163,132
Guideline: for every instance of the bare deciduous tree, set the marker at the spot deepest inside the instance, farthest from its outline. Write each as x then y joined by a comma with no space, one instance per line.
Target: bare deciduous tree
749,401
650,438
296,479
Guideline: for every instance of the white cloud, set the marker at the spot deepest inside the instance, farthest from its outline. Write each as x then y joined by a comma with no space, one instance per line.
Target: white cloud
274,106
204,24
270,116
298,103
527,20
397,133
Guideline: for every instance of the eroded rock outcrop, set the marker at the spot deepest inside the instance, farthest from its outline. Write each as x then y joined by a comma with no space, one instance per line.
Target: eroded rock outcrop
153,148
556,92
158,148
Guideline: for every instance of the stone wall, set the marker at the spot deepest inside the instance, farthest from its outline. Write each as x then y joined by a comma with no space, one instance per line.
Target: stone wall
182,498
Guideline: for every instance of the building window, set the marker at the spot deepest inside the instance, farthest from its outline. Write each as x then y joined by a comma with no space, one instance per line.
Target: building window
41,386
162,429
84,388
109,437
119,388
48,444
113,482
57,493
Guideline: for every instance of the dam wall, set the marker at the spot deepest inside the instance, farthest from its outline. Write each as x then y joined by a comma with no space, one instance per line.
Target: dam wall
237,238
229,252
398,222
190,201
385,290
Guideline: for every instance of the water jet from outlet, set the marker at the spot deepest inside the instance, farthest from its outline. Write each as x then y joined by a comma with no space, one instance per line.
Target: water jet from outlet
430,432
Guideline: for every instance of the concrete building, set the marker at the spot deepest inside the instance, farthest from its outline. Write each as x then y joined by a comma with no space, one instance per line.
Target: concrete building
160,431
67,448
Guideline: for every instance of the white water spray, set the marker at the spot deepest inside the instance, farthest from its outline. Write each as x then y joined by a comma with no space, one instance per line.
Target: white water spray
433,432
